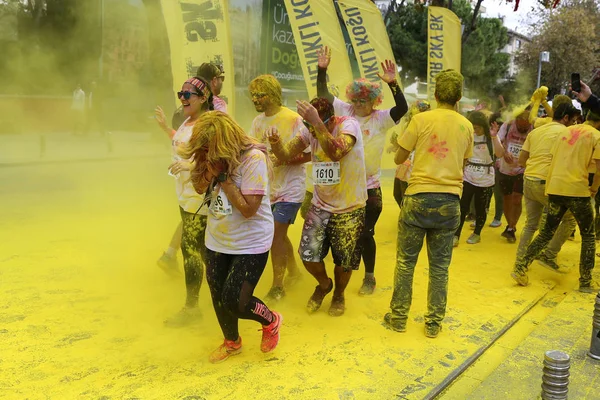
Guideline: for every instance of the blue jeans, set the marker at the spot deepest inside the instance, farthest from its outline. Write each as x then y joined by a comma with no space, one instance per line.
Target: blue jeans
435,216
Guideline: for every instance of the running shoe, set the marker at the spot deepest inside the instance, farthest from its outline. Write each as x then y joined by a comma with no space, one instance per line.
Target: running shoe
520,277
368,286
317,297
510,236
455,240
169,265
270,336
185,317
496,223
275,294
592,288
227,349
390,323
505,233
474,239
338,306
432,329
551,264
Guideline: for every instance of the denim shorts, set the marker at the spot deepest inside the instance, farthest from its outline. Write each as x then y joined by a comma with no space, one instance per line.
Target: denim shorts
284,212
340,232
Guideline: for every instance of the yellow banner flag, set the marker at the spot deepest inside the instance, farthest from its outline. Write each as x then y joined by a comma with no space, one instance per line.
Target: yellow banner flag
370,41
199,32
314,23
444,35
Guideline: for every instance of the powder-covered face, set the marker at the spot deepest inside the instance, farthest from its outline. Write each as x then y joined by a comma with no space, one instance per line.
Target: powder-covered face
478,130
193,105
263,93
362,107
522,122
217,85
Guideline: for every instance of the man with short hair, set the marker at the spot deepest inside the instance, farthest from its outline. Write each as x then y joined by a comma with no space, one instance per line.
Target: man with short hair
536,156
442,140
568,189
287,187
336,217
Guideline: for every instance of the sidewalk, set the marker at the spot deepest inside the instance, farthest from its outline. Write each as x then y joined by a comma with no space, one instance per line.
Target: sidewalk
59,147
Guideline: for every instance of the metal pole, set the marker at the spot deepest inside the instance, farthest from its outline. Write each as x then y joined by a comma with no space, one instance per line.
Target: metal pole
539,71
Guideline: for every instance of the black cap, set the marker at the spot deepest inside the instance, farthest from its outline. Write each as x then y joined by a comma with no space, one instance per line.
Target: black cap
209,71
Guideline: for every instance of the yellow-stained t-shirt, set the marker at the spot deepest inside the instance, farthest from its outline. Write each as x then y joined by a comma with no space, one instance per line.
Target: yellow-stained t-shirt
539,145
442,139
572,154
541,121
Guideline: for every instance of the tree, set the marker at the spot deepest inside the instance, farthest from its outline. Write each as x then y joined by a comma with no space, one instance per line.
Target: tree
482,62
572,37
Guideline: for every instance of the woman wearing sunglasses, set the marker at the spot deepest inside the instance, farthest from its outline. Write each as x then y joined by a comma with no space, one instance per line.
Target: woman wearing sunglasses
196,98
364,96
233,169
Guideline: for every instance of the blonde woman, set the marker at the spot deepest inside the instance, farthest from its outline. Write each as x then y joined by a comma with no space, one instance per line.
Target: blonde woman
232,168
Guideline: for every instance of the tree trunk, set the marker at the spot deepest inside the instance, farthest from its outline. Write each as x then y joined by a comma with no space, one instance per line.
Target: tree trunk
473,25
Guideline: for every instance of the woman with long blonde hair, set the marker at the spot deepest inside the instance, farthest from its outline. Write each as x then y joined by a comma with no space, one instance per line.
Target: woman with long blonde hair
232,168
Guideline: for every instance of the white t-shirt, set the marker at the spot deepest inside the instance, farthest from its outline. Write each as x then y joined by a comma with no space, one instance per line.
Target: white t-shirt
478,175
189,199
513,141
351,192
78,103
227,230
219,104
289,181
374,128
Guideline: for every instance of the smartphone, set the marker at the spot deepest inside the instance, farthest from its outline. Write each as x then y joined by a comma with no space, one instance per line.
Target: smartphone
575,82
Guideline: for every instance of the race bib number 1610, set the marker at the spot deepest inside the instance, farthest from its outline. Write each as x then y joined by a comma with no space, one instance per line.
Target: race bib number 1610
326,173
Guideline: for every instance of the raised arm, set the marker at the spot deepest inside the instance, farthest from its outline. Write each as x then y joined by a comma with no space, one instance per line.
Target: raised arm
389,77
324,54
161,119
335,147
286,153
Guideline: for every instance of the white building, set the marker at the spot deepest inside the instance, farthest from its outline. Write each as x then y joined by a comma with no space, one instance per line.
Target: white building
516,40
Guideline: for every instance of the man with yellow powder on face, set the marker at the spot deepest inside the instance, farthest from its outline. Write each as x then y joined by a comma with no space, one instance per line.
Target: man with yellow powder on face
568,189
336,216
442,140
364,96
288,184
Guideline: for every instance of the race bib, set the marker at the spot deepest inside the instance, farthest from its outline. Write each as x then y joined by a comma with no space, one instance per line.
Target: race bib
326,173
477,169
220,204
515,149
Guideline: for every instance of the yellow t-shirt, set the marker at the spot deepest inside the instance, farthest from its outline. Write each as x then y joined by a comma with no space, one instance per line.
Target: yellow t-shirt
442,139
539,145
572,153
541,122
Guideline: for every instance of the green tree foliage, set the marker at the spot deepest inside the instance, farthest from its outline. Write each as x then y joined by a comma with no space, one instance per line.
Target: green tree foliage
482,62
571,33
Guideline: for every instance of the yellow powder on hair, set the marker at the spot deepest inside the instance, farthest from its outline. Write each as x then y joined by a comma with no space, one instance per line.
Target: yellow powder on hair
267,84
448,86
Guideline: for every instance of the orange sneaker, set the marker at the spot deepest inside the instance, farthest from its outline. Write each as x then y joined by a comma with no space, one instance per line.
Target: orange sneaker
270,336
228,348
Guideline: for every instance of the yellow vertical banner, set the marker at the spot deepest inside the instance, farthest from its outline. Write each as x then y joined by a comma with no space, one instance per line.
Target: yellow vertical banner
370,41
444,48
315,24
199,32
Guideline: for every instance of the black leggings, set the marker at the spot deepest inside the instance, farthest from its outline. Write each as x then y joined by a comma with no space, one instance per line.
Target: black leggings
232,279
482,197
399,189
194,252
367,240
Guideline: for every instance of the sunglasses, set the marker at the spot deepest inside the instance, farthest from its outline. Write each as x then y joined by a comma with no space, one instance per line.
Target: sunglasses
186,95
362,102
258,95
221,77
309,126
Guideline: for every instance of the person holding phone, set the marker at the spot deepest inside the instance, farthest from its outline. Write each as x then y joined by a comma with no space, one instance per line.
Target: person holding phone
196,99
234,169
587,98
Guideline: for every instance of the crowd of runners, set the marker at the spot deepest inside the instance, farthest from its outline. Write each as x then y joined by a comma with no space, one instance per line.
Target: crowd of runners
239,191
